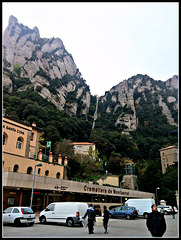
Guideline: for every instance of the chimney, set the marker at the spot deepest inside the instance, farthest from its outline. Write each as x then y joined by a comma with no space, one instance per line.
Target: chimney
50,158
65,161
34,124
60,159
40,154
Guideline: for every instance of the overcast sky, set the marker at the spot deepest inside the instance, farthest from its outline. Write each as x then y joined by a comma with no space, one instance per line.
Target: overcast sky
109,42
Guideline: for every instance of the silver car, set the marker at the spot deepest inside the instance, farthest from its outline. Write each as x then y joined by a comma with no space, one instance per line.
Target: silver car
166,209
18,216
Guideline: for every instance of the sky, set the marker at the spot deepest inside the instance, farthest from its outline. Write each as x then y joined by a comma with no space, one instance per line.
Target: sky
109,41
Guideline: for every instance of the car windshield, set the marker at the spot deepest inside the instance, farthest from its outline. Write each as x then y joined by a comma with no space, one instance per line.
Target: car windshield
8,210
117,208
27,211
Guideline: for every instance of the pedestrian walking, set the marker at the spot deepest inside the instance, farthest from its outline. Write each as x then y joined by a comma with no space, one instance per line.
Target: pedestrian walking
91,218
173,212
105,219
156,222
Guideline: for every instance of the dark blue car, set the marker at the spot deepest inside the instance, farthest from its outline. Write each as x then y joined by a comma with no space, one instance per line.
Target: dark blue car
123,212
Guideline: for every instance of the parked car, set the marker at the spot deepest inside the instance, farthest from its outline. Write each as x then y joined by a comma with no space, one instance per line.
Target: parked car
127,212
18,216
69,213
166,209
97,209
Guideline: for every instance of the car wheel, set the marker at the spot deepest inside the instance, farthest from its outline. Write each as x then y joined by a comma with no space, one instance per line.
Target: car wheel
110,215
146,215
70,222
43,220
17,223
165,212
128,217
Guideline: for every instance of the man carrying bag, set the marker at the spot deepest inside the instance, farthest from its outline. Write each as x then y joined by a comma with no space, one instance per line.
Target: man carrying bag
91,218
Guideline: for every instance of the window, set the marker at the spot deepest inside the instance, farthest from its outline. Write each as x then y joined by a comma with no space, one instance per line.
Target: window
163,159
162,154
46,173
118,208
11,201
15,168
19,143
50,208
58,175
15,210
39,169
27,211
125,208
32,136
4,139
79,148
8,210
29,170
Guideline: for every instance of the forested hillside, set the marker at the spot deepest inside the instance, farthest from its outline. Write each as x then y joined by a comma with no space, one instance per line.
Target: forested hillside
135,119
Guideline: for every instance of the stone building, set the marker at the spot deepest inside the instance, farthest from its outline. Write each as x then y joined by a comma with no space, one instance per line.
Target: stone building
169,156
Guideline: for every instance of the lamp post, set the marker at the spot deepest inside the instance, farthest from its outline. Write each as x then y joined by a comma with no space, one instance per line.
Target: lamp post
120,190
38,164
157,196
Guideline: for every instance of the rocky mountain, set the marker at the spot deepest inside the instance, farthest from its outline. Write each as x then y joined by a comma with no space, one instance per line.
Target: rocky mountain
138,94
44,65
30,61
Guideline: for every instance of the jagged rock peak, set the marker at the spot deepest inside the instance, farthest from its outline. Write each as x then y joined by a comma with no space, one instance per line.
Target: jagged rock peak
13,23
13,20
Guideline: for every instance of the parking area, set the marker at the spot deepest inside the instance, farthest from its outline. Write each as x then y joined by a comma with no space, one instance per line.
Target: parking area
118,228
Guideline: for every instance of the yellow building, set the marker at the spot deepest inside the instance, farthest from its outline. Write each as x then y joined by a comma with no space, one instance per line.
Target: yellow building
83,147
20,155
169,156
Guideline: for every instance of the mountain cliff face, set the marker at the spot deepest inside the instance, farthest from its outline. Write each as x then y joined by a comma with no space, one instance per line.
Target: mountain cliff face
140,93
44,65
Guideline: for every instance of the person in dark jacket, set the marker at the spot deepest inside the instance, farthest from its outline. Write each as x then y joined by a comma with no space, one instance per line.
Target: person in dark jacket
105,219
173,212
156,222
91,218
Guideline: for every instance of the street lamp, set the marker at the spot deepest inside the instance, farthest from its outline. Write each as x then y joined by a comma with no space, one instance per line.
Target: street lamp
157,196
38,164
120,190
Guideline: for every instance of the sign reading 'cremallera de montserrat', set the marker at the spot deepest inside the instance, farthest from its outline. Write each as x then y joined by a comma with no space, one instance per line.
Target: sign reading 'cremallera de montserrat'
103,190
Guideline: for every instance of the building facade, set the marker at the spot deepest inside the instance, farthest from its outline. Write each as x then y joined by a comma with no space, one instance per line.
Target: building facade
83,147
20,156
169,156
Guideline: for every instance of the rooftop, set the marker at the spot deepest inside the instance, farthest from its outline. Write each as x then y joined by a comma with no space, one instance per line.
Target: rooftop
167,148
82,143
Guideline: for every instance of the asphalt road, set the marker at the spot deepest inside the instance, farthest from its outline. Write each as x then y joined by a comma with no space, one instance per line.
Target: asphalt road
118,228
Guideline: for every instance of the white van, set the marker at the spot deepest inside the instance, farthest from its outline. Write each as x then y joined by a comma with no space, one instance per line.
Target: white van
143,205
64,212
